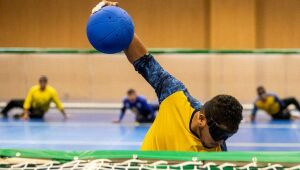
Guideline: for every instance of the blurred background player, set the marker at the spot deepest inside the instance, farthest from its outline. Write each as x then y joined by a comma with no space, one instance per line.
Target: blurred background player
37,102
145,112
277,108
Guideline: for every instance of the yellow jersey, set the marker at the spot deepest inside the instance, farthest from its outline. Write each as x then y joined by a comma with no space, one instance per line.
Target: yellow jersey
41,99
271,105
171,128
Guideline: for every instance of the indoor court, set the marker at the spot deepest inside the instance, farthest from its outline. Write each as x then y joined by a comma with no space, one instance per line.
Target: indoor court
149,84
55,134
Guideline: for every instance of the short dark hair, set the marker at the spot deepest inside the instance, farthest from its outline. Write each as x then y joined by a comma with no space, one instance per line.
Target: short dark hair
225,110
43,78
130,92
260,88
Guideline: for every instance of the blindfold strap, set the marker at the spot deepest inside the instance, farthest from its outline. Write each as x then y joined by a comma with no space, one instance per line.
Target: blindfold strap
216,132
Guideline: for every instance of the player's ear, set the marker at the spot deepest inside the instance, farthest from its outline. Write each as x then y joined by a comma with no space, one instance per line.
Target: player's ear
202,120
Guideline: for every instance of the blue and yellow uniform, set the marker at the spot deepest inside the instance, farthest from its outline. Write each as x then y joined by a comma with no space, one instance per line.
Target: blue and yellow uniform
272,105
40,100
171,129
143,110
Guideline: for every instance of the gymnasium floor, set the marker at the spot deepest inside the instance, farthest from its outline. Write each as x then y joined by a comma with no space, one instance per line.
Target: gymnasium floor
93,130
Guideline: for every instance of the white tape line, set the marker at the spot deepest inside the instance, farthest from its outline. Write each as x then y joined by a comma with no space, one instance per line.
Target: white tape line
94,105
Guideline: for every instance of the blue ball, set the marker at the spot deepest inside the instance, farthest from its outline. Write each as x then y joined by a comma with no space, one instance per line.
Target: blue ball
110,30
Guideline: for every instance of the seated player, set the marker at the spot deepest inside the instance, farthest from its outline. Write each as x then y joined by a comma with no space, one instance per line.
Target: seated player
37,101
182,123
145,112
277,108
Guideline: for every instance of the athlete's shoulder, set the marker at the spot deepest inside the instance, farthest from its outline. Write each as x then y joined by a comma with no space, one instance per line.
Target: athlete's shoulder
184,95
196,104
125,100
141,98
272,94
34,88
51,89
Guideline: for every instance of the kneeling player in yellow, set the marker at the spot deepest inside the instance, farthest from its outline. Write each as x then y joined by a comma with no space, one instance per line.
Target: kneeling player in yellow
274,106
182,123
37,101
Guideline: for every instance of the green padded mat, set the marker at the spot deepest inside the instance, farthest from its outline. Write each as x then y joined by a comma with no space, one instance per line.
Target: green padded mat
278,157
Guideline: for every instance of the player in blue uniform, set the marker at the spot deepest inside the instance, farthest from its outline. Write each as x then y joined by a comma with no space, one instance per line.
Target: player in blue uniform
145,112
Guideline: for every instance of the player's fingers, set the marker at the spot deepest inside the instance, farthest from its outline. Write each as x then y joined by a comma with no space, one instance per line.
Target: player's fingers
99,6
102,4
115,3
109,3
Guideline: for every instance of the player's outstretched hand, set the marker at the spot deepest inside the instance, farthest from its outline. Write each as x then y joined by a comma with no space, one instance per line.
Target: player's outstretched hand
102,4
66,116
25,116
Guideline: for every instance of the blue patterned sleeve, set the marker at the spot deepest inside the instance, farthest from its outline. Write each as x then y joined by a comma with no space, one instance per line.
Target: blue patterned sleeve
163,82
254,110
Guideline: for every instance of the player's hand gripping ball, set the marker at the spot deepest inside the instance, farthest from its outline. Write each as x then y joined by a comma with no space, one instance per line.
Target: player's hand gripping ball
110,29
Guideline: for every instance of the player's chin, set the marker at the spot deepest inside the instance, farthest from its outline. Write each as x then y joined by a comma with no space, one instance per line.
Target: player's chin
209,146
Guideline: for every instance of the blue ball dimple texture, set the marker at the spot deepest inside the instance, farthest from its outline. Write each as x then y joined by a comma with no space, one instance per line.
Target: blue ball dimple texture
110,30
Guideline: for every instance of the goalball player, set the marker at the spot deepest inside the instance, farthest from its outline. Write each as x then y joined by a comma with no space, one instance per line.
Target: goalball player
182,122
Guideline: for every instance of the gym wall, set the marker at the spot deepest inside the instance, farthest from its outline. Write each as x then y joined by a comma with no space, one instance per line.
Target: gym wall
205,24
106,78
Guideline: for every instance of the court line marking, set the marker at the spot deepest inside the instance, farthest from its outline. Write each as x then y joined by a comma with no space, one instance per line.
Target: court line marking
99,105
279,145
80,124
134,143
61,142
270,126
67,124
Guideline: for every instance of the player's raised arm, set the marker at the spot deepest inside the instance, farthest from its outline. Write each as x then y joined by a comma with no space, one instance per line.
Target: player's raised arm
137,54
253,113
163,83
136,50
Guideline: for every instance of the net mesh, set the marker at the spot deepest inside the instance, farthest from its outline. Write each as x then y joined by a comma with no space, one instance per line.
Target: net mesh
22,159
135,164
